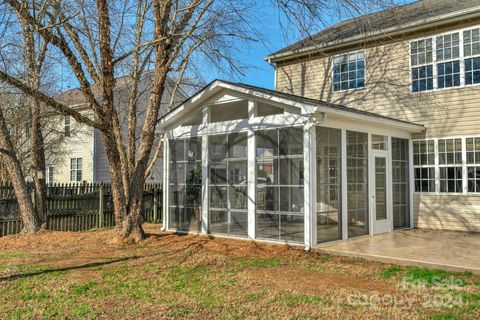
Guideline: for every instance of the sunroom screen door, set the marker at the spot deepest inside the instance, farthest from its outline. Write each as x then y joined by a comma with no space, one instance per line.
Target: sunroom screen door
380,207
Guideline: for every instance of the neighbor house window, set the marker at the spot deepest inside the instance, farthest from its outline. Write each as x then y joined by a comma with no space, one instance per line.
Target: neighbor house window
349,71
421,53
450,162
473,164
424,165
49,174
66,126
76,169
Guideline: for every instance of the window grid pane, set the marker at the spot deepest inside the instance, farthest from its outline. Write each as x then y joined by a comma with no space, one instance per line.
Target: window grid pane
349,71
472,71
422,78
421,52
471,42
424,162
450,151
448,46
448,74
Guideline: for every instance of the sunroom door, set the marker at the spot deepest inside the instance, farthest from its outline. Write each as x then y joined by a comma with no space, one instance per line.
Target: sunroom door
380,209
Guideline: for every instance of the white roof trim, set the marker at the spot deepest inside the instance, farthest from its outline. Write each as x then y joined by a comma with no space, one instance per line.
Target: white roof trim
306,109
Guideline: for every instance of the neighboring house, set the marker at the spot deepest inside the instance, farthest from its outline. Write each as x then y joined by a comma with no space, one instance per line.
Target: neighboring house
81,156
373,126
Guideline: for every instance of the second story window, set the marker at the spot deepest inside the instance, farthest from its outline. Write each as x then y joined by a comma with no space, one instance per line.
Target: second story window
421,53
66,126
471,48
349,71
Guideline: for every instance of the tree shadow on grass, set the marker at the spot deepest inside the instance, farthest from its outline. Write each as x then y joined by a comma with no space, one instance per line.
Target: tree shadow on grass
68,268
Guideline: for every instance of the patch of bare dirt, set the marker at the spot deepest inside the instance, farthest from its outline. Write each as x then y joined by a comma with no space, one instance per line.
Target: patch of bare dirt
317,283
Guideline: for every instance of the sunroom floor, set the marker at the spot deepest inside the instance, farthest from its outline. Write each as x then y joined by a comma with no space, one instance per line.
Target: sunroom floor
447,250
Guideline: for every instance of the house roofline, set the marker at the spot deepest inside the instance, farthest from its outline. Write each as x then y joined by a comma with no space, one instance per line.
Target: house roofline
456,16
312,107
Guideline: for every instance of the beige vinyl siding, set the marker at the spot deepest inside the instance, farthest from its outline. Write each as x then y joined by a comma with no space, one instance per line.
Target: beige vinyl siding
448,212
445,113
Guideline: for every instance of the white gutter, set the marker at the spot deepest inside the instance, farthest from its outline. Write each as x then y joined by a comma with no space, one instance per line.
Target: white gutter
473,12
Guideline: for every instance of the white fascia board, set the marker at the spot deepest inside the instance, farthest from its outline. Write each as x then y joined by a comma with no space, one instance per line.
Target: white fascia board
289,105
410,127
393,31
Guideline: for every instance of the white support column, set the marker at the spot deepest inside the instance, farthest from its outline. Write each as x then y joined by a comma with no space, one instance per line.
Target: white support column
166,183
437,168
308,184
371,190
390,184
344,186
205,182
411,176
313,184
251,176
464,166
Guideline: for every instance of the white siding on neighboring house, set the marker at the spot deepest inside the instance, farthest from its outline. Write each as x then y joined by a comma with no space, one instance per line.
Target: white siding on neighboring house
78,145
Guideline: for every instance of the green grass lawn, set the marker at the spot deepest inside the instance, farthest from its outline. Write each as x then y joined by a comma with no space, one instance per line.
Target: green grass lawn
81,276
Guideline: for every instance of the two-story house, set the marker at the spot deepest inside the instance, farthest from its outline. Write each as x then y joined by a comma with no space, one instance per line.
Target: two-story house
80,155
373,126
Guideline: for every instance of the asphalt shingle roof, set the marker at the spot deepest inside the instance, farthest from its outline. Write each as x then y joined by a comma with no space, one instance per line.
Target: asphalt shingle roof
386,19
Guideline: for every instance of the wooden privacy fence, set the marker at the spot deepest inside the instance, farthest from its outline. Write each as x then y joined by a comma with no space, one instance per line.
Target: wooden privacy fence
76,207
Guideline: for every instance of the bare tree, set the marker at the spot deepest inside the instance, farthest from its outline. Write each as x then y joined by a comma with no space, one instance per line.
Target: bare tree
96,43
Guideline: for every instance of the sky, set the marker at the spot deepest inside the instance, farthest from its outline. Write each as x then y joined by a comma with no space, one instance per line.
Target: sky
261,73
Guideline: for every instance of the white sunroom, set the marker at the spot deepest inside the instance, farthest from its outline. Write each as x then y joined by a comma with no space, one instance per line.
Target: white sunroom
247,162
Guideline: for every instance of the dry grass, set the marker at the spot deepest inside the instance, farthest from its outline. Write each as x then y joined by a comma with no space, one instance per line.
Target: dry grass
81,275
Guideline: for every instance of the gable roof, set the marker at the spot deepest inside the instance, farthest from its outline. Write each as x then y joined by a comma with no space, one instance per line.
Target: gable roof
281,97
382,22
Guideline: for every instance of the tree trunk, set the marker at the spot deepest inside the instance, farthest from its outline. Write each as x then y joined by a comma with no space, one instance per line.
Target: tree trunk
31,224
38,163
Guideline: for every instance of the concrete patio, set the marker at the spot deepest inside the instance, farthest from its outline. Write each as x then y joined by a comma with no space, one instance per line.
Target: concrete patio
451,251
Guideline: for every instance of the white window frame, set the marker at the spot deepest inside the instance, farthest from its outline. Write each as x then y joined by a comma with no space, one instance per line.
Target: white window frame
364,70
429,166
76,170
437,166
435,62
50,169
450,165
67,126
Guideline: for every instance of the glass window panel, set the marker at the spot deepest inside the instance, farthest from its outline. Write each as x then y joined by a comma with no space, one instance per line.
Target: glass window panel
268,226
185,184
237,145
291,141
328,184
229,111
348,71
291,228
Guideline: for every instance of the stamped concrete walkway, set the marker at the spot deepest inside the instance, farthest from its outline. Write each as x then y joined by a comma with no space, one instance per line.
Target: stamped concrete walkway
451,251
